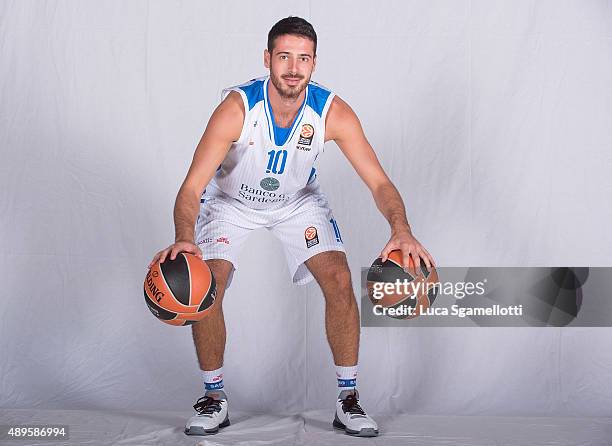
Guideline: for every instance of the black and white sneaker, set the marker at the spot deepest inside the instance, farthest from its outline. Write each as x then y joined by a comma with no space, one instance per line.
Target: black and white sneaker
351,418
211,414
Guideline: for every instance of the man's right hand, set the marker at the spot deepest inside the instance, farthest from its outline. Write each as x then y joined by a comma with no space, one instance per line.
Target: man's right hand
174,249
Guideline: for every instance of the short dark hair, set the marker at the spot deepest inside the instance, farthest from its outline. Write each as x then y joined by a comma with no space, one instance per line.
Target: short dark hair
296,26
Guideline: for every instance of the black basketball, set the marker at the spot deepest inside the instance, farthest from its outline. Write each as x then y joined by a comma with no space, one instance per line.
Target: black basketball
418,293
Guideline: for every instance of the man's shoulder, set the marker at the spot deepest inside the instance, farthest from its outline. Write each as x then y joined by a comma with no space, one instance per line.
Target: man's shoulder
251,90
318,87
341,120
319,97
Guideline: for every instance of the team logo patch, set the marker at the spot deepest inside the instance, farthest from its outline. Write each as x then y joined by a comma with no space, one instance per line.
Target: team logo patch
311,236
306,135
269,183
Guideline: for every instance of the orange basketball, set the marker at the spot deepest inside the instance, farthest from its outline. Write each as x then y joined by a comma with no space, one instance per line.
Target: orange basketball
417,292
180,291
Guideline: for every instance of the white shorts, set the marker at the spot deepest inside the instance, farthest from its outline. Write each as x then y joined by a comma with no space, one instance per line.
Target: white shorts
305,226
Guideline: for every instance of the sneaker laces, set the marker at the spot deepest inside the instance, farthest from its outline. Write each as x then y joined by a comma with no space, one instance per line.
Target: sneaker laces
350,405
207,405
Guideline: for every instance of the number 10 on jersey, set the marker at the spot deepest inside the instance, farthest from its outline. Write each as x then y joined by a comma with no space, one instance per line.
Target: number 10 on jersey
276,161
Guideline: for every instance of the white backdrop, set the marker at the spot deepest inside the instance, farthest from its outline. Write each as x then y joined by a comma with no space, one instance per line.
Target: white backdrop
492,119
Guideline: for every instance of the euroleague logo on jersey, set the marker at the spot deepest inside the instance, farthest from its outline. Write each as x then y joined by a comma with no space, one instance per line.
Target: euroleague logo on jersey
306,136
311,236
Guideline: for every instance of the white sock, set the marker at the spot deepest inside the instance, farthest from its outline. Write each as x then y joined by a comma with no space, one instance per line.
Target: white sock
213,379
347,377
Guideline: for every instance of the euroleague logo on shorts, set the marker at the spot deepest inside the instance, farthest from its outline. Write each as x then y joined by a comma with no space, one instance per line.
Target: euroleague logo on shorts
311,236
306,136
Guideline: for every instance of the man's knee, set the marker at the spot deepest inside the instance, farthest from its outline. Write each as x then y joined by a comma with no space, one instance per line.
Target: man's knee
221,270
337,284
341,278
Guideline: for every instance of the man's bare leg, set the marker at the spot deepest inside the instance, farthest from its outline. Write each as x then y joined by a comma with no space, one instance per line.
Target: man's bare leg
332,273
209,338
209,333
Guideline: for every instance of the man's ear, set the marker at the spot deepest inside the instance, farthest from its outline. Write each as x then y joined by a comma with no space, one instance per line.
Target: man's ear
266,58
314,62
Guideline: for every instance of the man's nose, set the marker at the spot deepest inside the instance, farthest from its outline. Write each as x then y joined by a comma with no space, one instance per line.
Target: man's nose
293,65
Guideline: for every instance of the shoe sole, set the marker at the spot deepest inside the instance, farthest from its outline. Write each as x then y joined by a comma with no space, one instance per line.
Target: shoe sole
365,432
199,430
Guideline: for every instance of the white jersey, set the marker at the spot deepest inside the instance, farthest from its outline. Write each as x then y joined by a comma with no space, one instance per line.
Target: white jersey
268,165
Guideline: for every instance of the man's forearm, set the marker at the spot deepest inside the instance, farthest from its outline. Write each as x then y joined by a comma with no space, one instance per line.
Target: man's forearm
186,210
390,203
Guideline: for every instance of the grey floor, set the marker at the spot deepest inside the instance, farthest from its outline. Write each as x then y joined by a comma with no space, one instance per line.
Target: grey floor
312,428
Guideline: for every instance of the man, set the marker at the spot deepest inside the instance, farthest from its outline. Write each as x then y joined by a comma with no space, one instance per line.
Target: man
256,160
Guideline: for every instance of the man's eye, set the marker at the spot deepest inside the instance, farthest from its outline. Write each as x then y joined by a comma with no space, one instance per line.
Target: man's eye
283,57
304,59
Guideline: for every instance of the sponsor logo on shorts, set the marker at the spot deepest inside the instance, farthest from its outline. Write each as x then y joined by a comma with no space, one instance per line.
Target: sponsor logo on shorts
269,183
306,135
311,236
304,148
223,240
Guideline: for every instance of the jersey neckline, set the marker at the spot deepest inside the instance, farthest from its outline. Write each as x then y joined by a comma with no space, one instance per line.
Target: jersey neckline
270,116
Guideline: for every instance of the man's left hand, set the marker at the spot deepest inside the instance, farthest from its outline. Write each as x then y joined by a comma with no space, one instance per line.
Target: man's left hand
410,247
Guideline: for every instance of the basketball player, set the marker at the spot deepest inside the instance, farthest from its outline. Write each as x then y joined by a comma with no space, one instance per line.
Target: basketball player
254,168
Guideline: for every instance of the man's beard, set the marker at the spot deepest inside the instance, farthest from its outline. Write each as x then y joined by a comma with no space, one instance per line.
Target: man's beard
288,92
